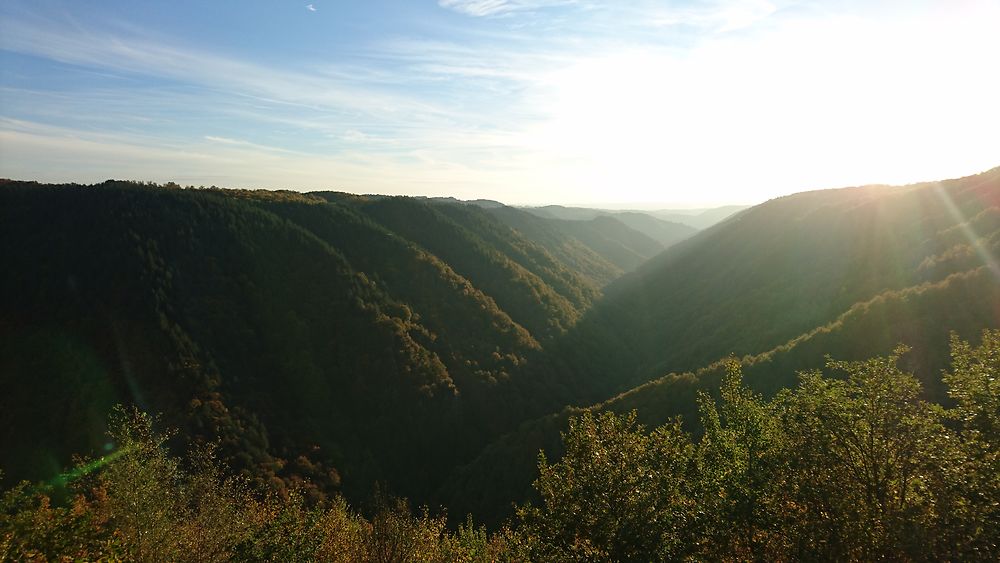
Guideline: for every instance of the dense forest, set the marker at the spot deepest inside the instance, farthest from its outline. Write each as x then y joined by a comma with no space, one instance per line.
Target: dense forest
324,338
321,356
853,466
754,274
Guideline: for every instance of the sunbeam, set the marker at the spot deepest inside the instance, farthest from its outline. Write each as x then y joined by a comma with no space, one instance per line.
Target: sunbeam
975,241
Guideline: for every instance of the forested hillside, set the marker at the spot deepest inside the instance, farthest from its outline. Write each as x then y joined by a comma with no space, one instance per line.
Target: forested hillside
328,342
331,339
784,268
851,273
849,465
602,248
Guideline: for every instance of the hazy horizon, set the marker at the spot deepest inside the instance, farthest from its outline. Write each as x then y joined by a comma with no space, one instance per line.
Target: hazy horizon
583,103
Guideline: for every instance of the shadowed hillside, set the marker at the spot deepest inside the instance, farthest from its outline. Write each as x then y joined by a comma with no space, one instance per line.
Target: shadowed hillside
614,246
312,340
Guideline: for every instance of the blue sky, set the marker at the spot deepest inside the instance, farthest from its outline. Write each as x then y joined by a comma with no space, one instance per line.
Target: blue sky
524,101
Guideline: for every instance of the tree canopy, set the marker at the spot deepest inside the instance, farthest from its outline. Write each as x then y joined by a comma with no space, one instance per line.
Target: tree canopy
851,465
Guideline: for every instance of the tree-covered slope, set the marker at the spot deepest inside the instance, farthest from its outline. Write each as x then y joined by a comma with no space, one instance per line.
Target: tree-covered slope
456,312
783,268
906,265
340,340
624,246
202,306
626,239
602,249
921,317
313,341
538,292
666,233
851,465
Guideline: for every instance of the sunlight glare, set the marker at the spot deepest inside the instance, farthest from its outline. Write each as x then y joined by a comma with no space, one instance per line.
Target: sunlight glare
846,101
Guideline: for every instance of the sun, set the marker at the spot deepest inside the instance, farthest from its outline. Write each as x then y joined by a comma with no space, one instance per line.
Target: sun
809,104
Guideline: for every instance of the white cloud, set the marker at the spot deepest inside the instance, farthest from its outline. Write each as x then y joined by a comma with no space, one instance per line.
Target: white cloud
760,101
480,8
719,16
57,154
132,53
311,7
247,144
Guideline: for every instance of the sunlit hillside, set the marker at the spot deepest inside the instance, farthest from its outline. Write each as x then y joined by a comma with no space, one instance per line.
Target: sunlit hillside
850,273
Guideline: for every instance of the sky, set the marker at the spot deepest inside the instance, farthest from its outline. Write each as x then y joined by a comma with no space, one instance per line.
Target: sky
688,103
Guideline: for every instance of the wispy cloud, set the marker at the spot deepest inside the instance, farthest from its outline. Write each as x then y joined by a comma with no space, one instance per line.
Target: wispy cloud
69,155
132,53
480,8
719,16
623,19
750,96
311,7
247,144
328,122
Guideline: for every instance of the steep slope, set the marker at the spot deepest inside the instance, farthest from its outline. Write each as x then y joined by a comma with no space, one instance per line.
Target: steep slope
625,240
698,219
781,269
339,340
627,248
598,268
666,233
534,257
850,273
310,340
536,290
921,317
456,313
180,301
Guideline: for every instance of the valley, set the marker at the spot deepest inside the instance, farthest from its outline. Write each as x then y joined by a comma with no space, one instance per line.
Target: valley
339,344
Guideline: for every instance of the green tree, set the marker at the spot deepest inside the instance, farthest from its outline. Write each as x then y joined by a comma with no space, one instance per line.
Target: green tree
974,385
618,494
736,461
866,461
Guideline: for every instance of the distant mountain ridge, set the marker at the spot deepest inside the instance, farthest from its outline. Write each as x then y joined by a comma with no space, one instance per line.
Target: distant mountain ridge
625,238
609,238
695,218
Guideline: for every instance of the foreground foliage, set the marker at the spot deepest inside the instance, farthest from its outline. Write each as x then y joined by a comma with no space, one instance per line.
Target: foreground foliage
854,467
849,467
145,505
